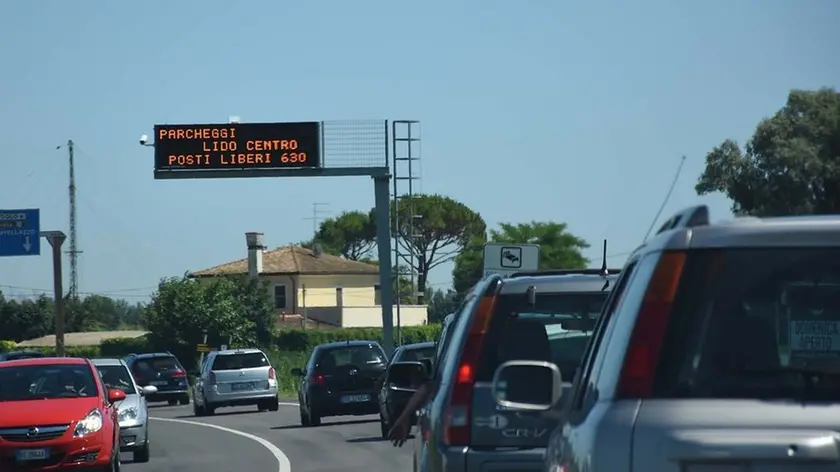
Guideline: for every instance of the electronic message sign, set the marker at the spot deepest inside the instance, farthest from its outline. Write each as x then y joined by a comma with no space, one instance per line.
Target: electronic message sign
237,146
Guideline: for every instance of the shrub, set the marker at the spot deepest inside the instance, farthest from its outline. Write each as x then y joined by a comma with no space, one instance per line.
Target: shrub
7,345
122,347
303,340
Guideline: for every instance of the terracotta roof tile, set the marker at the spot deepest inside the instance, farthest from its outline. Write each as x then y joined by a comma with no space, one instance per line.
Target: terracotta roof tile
293,260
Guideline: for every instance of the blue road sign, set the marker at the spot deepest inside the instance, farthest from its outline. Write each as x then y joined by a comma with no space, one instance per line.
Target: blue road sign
20,232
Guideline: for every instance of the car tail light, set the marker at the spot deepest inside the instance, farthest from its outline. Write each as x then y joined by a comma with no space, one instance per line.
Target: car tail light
642,356
179,374
457,419
211,378
271,374
318,379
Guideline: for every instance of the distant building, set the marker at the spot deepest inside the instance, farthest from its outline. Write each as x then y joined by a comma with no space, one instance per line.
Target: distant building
317,286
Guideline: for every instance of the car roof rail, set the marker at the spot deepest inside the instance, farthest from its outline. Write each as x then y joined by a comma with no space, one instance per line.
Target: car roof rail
691,217
534,273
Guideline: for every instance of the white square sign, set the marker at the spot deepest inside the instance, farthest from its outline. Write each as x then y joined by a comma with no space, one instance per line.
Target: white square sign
506,259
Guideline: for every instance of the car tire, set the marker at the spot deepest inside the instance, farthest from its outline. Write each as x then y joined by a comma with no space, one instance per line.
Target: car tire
384,427
313,418
172,402
142,455
185,400
209,410
198,410
274,405
304,418
262,406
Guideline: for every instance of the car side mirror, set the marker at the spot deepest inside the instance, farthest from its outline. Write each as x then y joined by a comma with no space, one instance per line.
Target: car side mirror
527,385
115,395
297,372
406,376
427,364
148,390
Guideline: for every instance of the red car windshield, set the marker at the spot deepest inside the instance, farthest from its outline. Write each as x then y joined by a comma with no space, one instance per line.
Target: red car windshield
36,382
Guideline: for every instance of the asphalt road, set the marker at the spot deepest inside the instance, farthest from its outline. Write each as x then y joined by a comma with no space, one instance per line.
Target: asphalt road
340,444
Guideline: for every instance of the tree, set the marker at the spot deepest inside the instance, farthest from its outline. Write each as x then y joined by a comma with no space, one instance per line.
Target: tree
559,249
441,303
351,235
791,165
230,310
433,229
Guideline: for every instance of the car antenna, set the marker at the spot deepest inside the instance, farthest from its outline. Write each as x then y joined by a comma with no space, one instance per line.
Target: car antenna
604,271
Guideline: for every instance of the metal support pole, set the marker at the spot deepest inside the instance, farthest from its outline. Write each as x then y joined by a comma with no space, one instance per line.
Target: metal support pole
383,242
56,239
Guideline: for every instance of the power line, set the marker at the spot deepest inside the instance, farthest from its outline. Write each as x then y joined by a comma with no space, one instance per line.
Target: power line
317,217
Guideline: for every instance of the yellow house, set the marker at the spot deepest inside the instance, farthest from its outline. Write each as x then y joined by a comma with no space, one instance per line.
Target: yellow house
317,286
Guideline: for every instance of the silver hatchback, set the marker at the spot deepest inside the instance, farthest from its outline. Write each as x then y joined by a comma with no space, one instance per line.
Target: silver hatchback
235,377
133,411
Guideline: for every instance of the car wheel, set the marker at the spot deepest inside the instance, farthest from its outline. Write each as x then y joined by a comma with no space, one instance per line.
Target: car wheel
304,418
172,402
198,410
209,410
384,427
185,400
142,454
274,405
314,419
262,406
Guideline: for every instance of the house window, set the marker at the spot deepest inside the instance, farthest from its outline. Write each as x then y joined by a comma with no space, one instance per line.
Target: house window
339,296
377,295
280,297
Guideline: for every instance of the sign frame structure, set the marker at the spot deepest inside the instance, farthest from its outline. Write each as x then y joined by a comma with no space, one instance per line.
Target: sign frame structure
235,147
506,259
381,176
20,232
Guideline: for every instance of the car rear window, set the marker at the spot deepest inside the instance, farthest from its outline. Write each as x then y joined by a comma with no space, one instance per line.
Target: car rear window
361,357
157,364
240,361
754,323
555,329
417,354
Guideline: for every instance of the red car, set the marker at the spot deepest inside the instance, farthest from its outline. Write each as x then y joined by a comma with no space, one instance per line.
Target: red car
57,414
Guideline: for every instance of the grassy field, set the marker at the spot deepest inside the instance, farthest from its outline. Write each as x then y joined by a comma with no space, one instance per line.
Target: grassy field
284,362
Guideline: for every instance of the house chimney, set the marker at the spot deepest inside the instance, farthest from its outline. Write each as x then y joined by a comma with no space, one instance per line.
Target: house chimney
255,253
317,250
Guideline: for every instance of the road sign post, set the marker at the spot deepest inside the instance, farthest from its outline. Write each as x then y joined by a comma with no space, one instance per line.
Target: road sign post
19,232
56,239
506,259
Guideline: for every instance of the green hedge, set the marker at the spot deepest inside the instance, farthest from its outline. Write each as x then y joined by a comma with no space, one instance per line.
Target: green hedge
6,345
300,340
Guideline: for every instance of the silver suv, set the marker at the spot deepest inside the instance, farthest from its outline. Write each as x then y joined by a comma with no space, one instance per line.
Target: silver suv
235,377
718,350
541,317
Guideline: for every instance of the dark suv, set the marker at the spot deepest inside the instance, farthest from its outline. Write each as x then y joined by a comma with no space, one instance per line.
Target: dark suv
163,371
340,378
15,355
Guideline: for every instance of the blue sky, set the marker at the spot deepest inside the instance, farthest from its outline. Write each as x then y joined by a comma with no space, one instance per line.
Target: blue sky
530,110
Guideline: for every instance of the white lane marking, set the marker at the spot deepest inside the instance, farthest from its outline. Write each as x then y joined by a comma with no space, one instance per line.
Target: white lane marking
288,404
282,460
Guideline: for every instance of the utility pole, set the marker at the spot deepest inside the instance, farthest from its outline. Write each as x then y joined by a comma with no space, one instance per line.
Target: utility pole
74,249
316,217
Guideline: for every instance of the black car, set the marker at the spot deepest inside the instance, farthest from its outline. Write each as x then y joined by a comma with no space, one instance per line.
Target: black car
16,355
340,378
395,390
164,371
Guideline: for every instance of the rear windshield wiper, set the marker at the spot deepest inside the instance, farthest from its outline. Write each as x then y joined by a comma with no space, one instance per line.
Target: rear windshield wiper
810,376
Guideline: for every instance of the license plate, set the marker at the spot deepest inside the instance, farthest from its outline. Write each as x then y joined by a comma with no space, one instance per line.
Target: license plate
355,398
158,382
243,386
32,454
126,440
